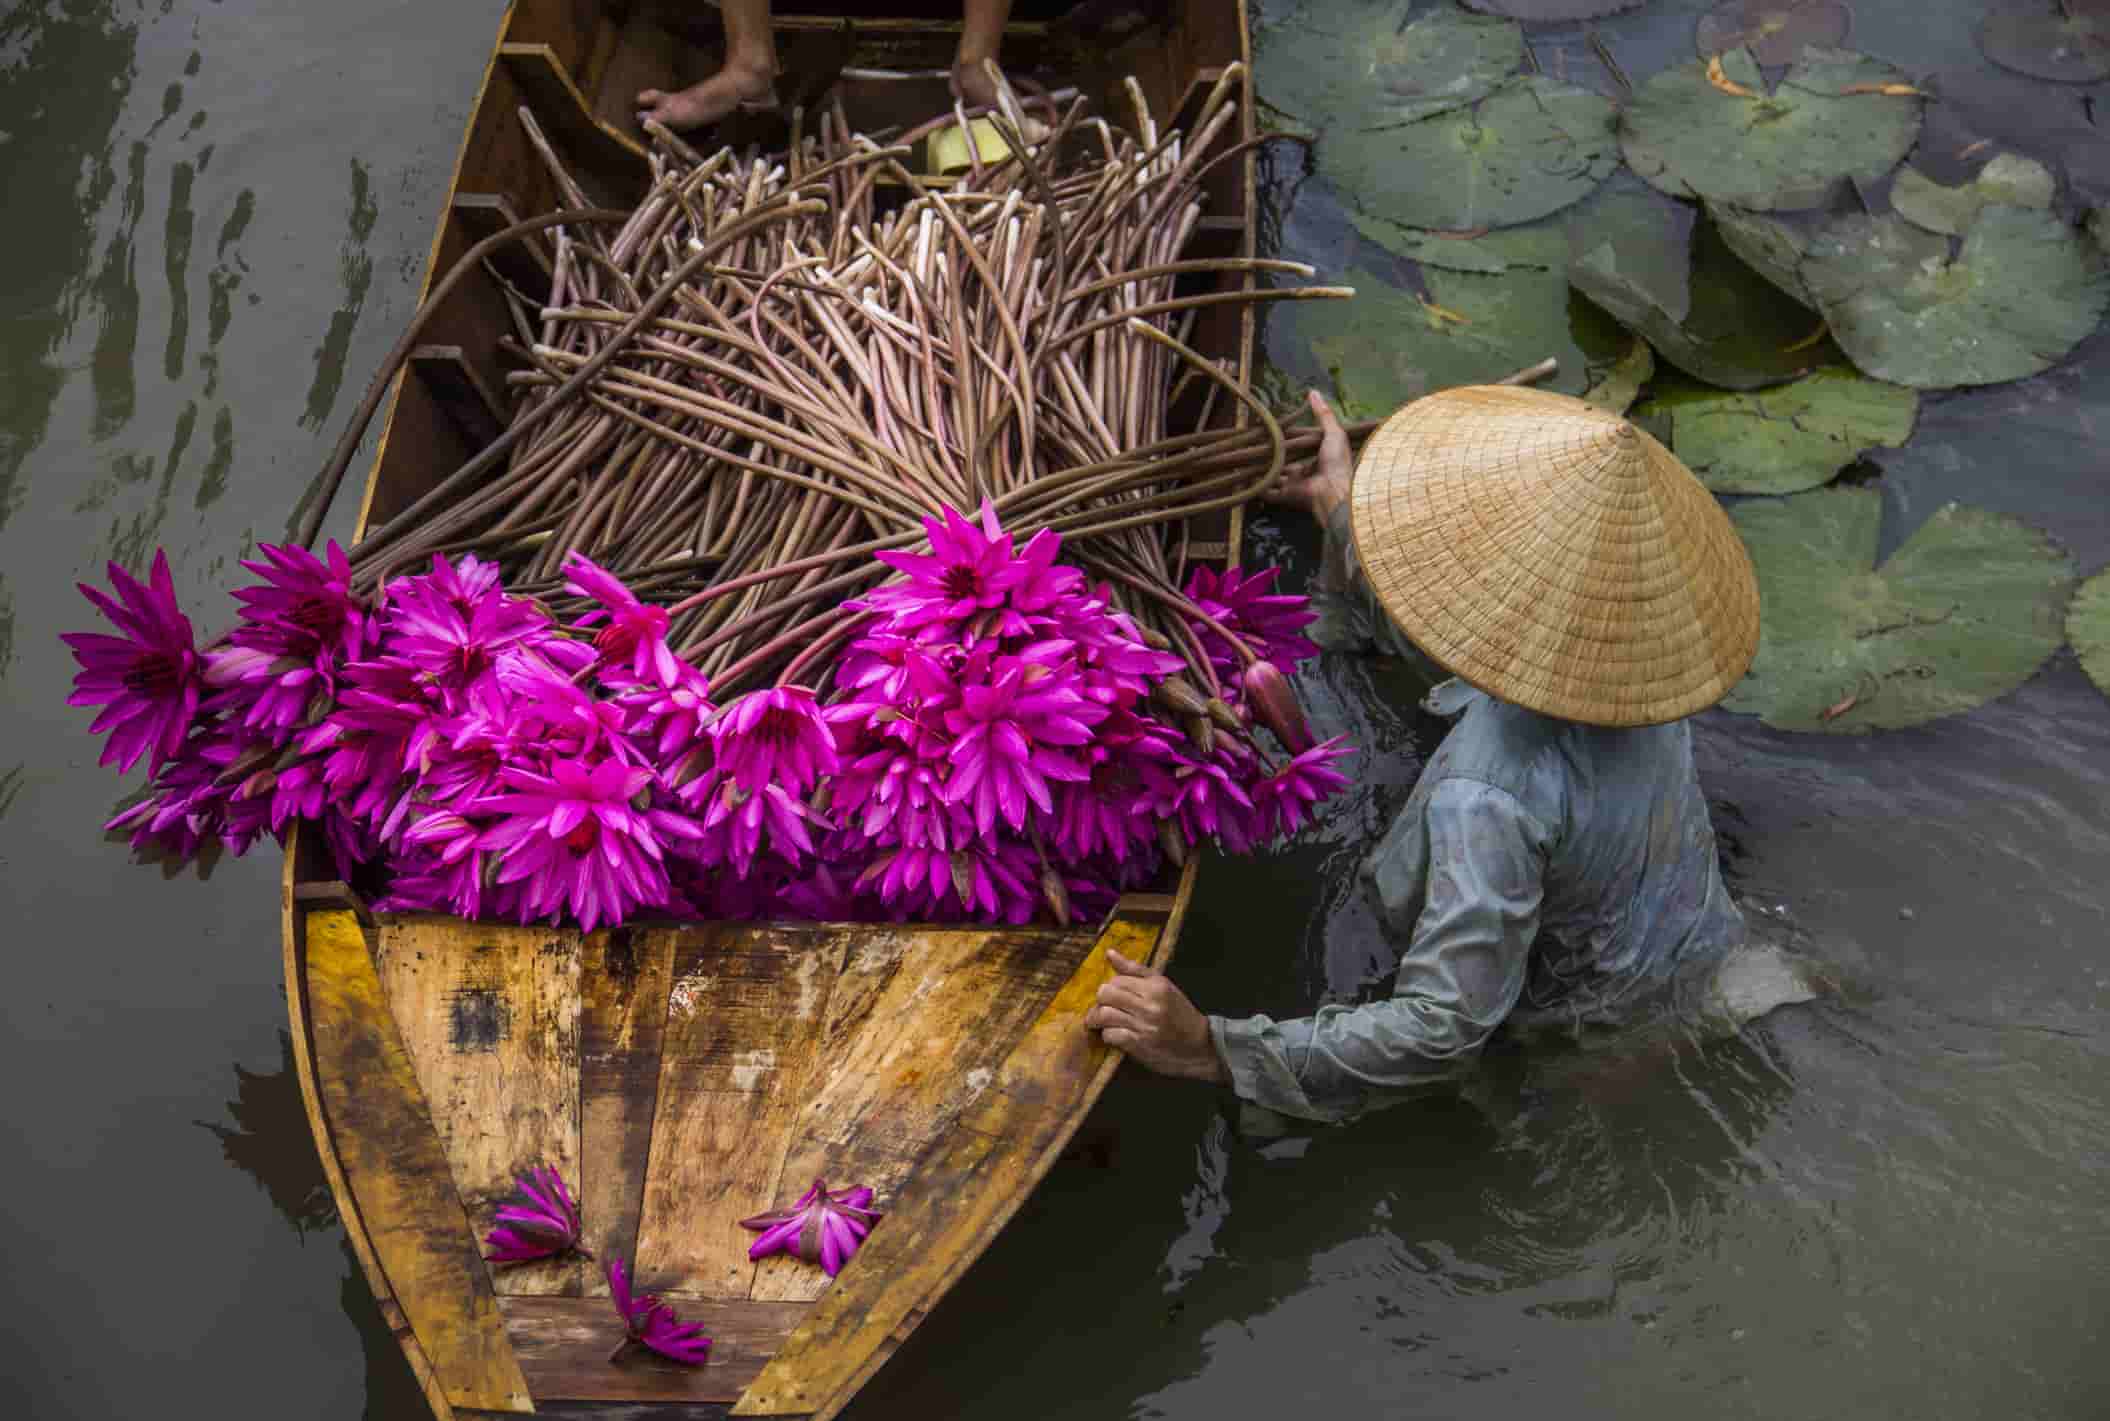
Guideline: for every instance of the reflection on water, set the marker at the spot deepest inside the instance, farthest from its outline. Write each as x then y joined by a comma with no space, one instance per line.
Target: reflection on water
266,1136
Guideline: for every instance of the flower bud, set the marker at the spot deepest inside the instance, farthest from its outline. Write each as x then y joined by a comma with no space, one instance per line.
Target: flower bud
1226,719
1170,841
1201,734
1057,895
1177,694
1276,705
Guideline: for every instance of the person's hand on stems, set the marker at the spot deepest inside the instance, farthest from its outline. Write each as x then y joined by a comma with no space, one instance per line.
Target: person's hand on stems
1324,487
1143,1016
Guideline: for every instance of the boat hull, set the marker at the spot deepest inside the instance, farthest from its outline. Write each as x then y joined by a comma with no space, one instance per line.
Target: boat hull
685,1075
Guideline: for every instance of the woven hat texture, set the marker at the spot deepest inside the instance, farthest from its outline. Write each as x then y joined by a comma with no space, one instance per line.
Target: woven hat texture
1553,555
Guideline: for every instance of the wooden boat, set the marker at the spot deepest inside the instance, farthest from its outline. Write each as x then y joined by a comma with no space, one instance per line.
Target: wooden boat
682,1076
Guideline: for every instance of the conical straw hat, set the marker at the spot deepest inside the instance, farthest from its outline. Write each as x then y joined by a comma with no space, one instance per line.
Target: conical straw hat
1553,555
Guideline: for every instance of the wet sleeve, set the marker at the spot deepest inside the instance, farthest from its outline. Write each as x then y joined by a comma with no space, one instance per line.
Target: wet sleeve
1350,617
1463,971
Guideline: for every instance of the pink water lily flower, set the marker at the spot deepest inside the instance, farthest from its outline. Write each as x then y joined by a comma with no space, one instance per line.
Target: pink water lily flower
305,606
575,841
824,1227
632,634
543,1223
648,1322
969,569
775,737
1286,796
1013,732
1271,623
148,678
456,647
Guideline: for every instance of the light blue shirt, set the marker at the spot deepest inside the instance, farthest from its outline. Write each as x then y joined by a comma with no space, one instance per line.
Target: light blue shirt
1543,874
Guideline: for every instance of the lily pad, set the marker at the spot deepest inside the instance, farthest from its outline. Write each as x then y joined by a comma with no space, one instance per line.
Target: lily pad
1449,250
1532,147
2088,628
1355,64
2024,290
1389,346
1621,385
2009,178
1775,31
2045,42
1827,120
1670,277
1789,438
1550,12
1770,246
1965,611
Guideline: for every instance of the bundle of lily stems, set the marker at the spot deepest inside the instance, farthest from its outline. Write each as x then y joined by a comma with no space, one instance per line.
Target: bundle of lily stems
835,563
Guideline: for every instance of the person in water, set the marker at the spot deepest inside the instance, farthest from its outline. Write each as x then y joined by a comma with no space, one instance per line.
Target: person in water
1554,867
749,74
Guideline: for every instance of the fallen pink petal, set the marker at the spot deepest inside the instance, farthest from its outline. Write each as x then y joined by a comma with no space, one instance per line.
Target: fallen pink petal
825,1226
543,1222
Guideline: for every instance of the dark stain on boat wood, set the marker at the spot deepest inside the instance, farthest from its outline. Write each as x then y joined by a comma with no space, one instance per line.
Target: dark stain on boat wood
479,1018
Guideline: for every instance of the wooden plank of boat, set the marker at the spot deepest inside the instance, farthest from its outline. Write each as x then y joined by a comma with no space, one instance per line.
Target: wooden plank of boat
686,1075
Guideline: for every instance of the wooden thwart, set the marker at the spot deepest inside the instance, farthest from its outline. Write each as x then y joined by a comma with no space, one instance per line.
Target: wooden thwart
564,1345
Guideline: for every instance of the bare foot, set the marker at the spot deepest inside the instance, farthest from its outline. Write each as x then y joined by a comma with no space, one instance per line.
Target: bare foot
710,100
971,85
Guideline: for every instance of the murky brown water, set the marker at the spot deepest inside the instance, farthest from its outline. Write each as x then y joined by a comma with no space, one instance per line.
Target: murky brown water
1891,1204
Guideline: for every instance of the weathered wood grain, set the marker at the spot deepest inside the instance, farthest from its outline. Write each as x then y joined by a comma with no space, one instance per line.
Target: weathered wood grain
623,980
963,1191
295,901
743,1018
926,1048
564,1345
397,1173
490,1015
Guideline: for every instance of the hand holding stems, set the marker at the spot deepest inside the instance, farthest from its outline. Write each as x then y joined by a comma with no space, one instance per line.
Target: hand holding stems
1325,487
1143,1016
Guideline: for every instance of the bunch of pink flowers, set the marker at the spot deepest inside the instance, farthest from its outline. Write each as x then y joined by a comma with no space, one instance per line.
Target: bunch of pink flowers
995,744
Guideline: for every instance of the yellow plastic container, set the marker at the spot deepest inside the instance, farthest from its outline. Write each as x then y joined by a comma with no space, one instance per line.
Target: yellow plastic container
946,150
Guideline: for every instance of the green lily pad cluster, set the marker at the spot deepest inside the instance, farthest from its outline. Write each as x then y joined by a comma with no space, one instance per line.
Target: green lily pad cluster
1548,12
1389,346
2021,292
1965,611
1744,293
1361,66
2048,39
2088,628
1785,439
1668,275
1775,31
1712,129
2009,180
1428,123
